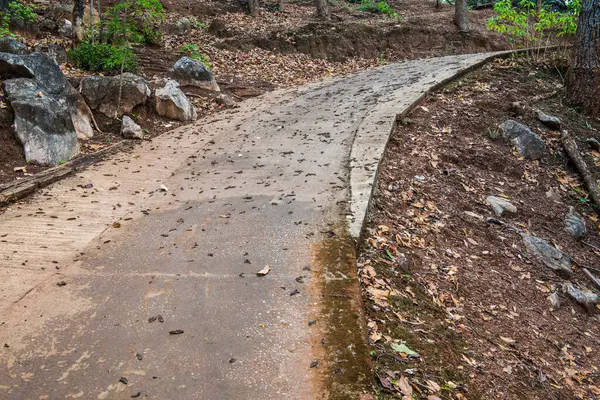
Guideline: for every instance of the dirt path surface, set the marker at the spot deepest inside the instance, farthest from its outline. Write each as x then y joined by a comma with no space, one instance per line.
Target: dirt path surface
112,286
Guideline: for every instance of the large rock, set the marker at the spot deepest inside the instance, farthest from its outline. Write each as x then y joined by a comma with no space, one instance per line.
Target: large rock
172,103
179,27
131,130
66,28
528,144
42,123
102,93
42,72
56,52
552,257
190,72
12,46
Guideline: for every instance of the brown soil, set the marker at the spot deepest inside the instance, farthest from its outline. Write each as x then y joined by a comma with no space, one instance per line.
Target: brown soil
462,292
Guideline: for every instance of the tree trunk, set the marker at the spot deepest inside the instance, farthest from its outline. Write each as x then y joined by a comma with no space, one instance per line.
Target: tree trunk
253,6
461,18
322,9
583,79
78,23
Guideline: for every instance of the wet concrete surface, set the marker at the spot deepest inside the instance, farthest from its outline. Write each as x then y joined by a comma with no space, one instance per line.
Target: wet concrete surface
269,185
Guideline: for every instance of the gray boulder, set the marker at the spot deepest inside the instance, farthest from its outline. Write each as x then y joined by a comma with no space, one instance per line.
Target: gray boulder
528,144
553,258
42,72
225,100
550,121
179,27
131,130
42,122
66,29
102,93
172,103
12,45
56,52
574,224
190,72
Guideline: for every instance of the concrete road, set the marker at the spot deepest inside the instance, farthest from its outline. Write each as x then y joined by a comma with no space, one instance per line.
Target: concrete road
166,304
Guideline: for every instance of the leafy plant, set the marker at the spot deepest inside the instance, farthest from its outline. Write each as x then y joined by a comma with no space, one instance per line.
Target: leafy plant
135,21
380,6
526,24
196,23
193,51
16,13
103,57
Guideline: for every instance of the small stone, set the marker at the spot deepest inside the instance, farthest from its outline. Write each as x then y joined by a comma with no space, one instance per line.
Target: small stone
554,300
550,121
232,360
131,130
593,143
583,297
66,29
552,257
139,356
574,224
500,205
61,283
225,99
124,380
176,332
530,145
314,364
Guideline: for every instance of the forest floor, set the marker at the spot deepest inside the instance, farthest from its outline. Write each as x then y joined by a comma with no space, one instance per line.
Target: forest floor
250,56
456,307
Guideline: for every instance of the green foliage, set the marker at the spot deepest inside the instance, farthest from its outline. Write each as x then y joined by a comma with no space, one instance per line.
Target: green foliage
381,7
135,21
193,51
526,24
16,13
103,57
196,23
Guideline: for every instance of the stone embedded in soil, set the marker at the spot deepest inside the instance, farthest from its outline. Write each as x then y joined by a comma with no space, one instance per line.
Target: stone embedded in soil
574,224
190,72
500,205
550,121
131,130
554,300
172,103
530,145
102,93
552,257
583,297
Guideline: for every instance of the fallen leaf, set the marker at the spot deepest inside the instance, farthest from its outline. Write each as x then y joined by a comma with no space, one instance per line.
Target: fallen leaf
264,271
507,339
402,348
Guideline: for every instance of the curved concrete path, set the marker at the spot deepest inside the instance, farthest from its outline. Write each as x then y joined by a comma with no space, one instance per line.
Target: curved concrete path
265,184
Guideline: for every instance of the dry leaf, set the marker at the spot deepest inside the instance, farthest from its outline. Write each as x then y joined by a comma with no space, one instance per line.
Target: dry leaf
264,271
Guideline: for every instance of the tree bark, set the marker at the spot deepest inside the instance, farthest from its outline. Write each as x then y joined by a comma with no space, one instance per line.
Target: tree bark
78,23
253,6
583,79
461,18
322,9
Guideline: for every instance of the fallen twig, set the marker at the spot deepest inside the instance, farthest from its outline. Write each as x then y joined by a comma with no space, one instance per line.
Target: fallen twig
573,153
592,277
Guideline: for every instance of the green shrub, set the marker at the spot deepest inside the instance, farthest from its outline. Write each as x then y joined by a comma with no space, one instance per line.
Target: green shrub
193,51
103,57
18,14
381,7
196,23
141,24
525,24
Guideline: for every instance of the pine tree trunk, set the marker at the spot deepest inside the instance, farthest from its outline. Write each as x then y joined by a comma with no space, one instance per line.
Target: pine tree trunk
322,9
583,79
461,18
253,6
78,23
